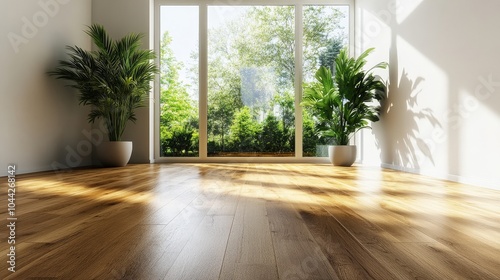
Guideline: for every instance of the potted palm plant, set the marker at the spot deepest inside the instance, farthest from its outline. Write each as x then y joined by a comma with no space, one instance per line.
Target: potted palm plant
345,102
114,80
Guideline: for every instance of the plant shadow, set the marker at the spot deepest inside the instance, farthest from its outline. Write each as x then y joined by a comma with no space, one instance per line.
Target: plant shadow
398,134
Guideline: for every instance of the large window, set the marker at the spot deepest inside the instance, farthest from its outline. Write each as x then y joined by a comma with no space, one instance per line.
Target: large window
231,76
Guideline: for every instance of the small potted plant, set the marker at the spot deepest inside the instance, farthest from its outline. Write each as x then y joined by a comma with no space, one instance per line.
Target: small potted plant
113,80
345,102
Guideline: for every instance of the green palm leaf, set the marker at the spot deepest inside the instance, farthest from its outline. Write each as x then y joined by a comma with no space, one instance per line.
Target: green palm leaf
113,79
344,103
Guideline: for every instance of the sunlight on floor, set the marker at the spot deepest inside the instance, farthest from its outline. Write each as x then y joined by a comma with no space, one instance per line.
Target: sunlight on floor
53,187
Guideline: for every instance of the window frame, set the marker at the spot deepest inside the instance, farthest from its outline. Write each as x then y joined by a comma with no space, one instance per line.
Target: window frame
203,77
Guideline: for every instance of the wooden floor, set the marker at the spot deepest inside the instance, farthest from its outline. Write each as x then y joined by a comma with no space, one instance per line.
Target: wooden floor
251,221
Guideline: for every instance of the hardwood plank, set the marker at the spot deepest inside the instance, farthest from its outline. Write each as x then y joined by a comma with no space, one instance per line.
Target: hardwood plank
201,259
348,257
166,246
249,253
443,263
125,259
297,255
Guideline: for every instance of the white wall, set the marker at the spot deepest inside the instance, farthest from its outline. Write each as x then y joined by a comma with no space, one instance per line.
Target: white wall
41,122
443,113
120,17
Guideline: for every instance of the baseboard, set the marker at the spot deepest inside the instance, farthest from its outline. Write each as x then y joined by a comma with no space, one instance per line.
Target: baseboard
449,177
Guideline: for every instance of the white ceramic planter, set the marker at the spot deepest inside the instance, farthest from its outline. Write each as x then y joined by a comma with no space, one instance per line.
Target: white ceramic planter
342,155
114,153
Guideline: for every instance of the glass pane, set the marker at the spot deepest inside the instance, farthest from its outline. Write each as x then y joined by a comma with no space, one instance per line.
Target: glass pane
179,118
326,32
251,81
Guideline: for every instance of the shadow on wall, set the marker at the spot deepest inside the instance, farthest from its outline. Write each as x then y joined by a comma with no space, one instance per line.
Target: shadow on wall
397,134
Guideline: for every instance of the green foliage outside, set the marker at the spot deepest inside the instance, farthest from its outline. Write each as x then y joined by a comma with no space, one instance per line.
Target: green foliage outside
178,112
244,130
251,76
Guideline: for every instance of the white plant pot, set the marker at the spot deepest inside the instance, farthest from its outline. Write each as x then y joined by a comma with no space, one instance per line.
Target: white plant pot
114,153
342,155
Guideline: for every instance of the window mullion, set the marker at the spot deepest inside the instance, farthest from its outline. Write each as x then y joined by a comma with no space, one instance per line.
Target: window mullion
203,81
298,80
